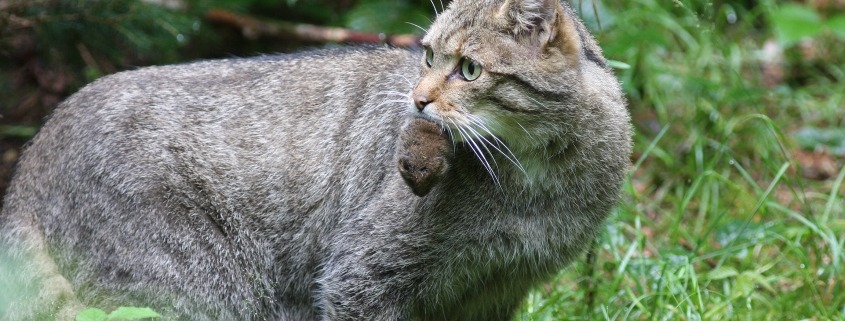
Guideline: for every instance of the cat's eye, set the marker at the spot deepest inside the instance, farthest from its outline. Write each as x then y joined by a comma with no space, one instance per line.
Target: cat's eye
429,56
470,69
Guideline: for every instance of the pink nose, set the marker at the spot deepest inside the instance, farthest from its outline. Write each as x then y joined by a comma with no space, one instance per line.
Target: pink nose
421,101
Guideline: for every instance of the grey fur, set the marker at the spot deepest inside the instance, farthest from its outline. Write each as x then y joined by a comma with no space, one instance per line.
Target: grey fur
267,188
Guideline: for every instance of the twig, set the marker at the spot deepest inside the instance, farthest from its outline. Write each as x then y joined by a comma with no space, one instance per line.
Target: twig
591,276
87,57
254,28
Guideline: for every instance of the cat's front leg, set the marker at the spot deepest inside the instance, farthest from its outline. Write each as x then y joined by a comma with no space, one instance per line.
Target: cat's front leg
364,291
373,269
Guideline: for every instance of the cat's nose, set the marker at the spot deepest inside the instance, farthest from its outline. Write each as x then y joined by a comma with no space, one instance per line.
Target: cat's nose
421,101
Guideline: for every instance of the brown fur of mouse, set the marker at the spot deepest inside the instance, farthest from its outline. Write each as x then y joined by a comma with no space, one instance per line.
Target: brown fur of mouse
423,156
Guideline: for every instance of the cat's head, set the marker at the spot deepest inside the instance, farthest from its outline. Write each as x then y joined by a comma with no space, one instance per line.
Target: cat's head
502,69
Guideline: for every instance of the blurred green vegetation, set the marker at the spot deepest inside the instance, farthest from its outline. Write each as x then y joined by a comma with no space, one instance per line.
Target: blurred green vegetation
734,208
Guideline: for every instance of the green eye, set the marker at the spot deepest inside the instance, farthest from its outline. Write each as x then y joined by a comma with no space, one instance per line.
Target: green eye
429,56
470,69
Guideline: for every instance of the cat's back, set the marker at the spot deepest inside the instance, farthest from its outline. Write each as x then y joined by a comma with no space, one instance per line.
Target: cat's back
225,111
237,87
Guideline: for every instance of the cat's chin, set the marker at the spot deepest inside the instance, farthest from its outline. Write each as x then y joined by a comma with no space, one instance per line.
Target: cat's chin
428,115
423,155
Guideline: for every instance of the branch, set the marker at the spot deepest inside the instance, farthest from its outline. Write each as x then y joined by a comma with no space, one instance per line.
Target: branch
254,28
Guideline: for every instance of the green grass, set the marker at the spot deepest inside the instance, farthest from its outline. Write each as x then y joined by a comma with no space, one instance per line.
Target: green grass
716,222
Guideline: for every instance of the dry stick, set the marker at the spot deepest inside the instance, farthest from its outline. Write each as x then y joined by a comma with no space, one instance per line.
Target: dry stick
254,28
591,276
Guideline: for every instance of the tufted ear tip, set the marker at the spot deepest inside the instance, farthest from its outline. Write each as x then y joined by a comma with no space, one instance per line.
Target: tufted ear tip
531,19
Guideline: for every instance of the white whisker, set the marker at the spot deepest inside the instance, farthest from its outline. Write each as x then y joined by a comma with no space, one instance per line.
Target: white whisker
525,130
436,14
483,142
509,155
478,154
537,101
392,93
452,135
418,26
385,102
410,84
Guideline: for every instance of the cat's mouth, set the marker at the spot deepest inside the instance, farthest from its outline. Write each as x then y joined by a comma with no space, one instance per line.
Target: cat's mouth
475,131
427,142
429,115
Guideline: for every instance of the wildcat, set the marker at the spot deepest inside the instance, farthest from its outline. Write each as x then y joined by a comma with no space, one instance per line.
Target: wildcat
268,188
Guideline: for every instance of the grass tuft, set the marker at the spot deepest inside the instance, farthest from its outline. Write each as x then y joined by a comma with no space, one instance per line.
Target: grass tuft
717,220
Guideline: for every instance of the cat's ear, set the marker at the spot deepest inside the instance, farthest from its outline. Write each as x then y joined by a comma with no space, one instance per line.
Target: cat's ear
542,23
532,20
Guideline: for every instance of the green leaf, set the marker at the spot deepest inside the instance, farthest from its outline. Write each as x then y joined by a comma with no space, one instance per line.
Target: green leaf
18,131
91,314
745,285
618,64
132,313
760,280
836,24
722,272
794,22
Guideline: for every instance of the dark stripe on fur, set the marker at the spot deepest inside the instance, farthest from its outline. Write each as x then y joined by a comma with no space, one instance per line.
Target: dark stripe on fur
591,54
546,94
587,42
508,105
525,88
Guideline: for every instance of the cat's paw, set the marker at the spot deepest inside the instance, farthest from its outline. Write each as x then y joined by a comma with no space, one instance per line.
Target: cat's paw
424,155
